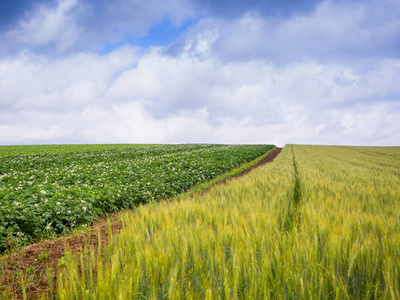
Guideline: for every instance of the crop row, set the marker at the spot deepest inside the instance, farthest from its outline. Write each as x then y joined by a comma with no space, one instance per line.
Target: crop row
29,150
56,192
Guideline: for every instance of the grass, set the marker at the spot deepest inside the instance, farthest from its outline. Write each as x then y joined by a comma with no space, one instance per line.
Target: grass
232,243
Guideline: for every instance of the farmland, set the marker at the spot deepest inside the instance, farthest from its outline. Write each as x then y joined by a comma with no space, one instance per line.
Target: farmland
60,189
28,150
318,223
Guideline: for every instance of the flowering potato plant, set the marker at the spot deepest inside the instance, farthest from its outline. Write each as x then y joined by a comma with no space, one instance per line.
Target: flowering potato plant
56,192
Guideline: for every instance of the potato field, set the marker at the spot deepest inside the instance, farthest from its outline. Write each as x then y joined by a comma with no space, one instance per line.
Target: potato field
61,189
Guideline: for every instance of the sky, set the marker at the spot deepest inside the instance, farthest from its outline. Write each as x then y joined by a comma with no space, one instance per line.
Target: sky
200,71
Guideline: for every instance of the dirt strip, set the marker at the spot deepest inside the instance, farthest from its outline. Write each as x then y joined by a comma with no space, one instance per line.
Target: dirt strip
269,158
30,263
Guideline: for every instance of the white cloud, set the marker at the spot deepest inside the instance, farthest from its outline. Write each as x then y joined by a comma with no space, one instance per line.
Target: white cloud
252,80
50,133
334,31
131,123
33,82
68,25
49,25
160,99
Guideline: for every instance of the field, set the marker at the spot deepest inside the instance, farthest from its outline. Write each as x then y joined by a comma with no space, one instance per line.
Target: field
28,150
62,188
319,222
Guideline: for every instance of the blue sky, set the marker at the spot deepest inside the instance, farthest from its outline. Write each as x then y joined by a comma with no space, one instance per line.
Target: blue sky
173,71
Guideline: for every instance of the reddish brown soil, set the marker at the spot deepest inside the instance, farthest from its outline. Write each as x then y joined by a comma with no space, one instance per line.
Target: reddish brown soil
270,157
28,257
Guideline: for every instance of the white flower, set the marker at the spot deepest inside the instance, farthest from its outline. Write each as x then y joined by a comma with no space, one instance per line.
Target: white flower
84,208
83,201
69,211
36,205
45,201
43,192
58,213
58,203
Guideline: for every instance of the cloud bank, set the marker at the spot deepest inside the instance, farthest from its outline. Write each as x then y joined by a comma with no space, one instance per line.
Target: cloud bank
322,73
